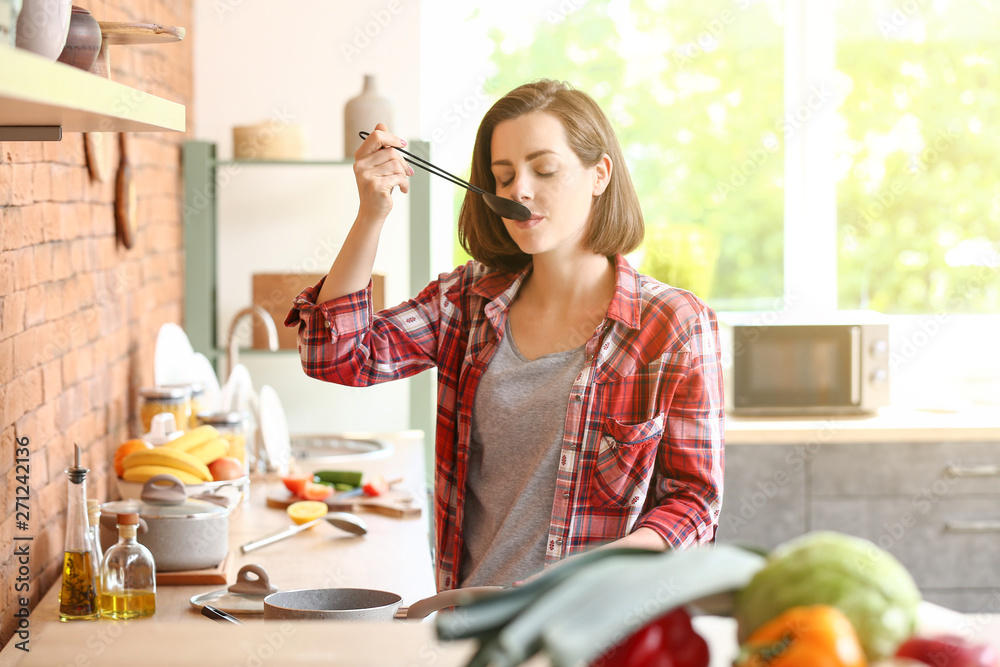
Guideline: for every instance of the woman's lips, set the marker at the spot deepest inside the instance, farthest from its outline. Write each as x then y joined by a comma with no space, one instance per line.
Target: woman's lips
530,222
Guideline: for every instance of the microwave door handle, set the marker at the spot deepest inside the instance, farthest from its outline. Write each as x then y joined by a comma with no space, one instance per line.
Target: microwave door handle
857,365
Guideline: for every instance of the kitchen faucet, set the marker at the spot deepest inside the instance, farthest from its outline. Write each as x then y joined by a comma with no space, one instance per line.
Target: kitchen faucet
232,351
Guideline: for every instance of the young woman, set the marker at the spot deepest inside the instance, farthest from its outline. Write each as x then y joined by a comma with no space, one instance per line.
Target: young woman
579,402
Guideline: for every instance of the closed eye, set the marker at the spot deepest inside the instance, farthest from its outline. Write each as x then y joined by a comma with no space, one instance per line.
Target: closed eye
547,174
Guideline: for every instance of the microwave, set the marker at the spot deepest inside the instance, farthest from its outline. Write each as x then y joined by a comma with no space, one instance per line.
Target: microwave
805,364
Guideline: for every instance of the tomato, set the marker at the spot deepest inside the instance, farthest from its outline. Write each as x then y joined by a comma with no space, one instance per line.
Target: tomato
296,483
313,491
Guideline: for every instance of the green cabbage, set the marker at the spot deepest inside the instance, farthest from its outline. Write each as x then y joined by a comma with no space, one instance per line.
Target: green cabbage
864,581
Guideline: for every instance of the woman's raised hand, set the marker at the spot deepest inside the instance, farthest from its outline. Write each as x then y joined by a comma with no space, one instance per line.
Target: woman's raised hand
379,168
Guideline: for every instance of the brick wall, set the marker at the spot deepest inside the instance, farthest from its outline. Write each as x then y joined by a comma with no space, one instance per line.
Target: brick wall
79,313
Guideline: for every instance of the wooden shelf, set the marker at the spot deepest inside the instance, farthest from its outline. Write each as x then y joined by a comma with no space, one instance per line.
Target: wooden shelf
37,92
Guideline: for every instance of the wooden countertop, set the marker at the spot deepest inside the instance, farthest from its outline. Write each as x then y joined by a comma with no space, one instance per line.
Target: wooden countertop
889,425
393,556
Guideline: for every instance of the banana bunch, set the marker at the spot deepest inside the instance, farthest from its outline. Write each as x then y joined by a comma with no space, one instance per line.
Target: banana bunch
205,443
186,458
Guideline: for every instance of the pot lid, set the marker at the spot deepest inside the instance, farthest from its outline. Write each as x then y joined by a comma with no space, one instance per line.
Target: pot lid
164,497
245,597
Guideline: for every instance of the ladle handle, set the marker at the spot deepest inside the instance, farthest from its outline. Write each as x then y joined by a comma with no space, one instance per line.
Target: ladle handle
277,537
434,169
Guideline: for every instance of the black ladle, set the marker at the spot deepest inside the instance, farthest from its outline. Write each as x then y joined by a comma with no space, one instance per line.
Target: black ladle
505,208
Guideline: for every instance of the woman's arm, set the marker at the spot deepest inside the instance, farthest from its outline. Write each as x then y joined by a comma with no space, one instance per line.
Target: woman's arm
378,169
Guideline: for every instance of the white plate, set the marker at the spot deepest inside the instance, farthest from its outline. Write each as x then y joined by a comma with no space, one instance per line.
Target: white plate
274,429
172,357
237,393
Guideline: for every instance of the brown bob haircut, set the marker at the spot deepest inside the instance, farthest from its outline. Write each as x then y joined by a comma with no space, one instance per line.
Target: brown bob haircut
615,224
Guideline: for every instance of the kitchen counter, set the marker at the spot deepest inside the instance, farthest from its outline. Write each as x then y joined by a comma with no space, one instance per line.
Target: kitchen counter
888,425
393,556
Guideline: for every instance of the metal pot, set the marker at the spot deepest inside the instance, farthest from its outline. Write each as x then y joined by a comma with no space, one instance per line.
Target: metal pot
182,533
362,604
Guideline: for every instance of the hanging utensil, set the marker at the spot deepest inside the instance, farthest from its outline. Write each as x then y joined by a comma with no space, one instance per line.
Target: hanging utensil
505,208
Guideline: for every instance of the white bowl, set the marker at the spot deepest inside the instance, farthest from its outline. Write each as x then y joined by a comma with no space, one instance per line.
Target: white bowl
231,489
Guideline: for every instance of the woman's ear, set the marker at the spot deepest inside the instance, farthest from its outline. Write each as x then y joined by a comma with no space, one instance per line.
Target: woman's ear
602,174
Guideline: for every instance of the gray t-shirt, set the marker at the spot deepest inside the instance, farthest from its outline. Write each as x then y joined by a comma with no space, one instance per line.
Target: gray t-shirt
517,432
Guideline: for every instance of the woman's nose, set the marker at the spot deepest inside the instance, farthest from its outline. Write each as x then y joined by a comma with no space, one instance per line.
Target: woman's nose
521,189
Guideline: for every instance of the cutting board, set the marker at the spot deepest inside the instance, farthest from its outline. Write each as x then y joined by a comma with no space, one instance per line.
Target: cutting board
210,575
395,503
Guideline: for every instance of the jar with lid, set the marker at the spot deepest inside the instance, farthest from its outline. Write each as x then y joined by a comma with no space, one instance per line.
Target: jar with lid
174,400
199,402
128,574
232,427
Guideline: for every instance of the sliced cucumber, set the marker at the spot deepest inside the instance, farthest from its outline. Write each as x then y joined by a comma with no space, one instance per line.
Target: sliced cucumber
349,477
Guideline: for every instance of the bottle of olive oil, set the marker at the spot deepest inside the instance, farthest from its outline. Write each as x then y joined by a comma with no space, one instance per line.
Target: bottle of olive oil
78,595
128,575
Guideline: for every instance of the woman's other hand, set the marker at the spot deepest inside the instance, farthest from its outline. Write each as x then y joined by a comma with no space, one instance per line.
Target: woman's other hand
378,168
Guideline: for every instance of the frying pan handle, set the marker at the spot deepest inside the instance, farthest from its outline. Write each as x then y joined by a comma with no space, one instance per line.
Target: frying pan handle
443,600
217,614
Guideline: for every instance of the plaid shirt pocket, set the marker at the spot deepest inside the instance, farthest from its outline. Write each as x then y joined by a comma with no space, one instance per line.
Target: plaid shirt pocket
625,460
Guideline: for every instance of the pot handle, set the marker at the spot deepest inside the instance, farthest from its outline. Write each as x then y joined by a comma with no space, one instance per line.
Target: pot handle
443,600
261,585
163,489
110,521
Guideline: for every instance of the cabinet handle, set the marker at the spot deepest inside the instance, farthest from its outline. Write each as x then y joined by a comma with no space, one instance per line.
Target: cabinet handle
973,471
973,526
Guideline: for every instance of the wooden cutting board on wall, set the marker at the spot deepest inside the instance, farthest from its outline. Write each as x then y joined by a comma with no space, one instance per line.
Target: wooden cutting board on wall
274,293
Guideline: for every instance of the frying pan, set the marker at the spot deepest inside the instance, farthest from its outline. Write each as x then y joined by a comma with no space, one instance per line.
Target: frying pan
363,604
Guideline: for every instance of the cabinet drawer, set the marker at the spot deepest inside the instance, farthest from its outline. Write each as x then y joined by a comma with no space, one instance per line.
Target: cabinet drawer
763,496
944,542
912,469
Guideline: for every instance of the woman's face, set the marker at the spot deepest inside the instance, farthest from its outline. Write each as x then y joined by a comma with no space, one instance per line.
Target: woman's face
534,165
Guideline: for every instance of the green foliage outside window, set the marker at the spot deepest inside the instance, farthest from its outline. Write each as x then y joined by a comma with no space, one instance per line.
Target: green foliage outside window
695,93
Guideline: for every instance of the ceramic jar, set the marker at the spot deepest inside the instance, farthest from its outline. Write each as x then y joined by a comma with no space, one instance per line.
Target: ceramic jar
42,26
362,113
83,41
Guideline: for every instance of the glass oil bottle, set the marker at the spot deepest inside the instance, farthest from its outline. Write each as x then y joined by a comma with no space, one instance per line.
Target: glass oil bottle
78,595
96,554
128,575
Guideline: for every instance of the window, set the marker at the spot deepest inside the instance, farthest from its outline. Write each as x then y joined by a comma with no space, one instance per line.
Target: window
789,154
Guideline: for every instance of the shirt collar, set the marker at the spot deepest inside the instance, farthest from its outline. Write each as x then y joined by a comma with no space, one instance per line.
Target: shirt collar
626,305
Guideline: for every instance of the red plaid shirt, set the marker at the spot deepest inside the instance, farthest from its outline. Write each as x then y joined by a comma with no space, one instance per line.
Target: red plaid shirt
643,442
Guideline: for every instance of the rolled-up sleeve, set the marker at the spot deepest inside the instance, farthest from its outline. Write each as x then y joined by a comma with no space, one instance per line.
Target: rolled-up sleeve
344,342
685,496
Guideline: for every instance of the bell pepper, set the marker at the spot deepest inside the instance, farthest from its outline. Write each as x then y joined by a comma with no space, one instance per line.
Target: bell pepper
667,641
810,636
949,651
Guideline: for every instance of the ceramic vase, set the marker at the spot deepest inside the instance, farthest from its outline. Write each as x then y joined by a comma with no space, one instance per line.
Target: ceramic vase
42,26
362,113
83,40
